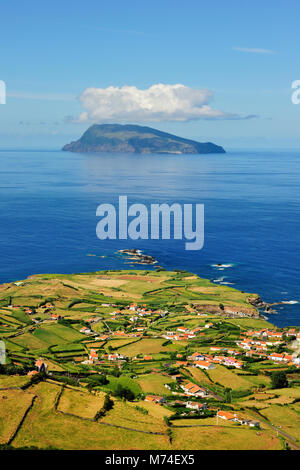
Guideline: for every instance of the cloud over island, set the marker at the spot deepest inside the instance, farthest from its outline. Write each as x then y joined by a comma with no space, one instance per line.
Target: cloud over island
159,102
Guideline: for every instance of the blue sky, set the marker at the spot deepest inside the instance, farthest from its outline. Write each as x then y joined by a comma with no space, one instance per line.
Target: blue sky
246,53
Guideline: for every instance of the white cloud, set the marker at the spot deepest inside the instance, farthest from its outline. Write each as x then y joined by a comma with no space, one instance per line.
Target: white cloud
160,102
253,50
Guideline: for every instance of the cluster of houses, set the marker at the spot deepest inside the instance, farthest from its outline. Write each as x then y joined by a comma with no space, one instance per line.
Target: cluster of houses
184,333
121,333
192,405
272,334
288,359
94,357
257,343
229,416
143,311
206,362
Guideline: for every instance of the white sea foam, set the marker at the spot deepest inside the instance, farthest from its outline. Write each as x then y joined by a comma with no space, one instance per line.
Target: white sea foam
220,279
222,266
290,302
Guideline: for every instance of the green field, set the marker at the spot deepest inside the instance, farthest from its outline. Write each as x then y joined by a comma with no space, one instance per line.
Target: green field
60,407
154,383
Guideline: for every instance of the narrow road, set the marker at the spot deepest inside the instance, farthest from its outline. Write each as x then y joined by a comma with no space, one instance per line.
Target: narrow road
278,430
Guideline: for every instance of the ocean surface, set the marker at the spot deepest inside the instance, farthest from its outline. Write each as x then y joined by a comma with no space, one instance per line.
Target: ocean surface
48,202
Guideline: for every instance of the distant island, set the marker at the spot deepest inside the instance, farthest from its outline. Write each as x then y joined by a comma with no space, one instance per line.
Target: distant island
137,139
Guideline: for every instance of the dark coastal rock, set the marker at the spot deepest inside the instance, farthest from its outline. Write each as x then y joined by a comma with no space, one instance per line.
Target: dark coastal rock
137,257
129,138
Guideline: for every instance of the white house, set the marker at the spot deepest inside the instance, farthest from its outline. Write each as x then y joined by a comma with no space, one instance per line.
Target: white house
196,406
193,390
204,365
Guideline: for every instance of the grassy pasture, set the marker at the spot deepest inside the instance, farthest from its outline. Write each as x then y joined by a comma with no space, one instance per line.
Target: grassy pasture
154,383
124,381
27,340
145,346
125,414
44,427
13,380
80,403
283,416
224,438
13,405
227,378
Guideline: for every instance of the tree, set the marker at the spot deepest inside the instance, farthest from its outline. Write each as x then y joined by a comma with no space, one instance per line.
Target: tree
108,403
124,392
228,397
96,381
279,379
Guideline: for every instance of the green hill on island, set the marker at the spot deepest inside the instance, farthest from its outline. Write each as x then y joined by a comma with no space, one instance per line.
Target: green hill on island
137,139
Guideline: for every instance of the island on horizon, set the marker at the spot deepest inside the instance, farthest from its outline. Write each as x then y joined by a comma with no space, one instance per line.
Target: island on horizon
130,138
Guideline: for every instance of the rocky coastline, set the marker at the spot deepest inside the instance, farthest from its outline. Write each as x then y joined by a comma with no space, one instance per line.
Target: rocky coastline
137,257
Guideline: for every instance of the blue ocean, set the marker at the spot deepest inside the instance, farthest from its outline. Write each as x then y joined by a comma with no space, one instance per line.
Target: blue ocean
48,202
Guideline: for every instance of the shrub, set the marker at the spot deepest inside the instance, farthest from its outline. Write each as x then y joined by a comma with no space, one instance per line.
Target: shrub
279,379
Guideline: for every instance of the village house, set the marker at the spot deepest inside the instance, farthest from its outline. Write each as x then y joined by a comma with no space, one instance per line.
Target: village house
93,356
116,357
119,333
291,332
154,399
219,359
276,357
193,390
55,316
41,366
245,344
274,334
231,361
204,365
86,331
196,357
232,352
182,329
196,406
133,307
196,330
226,415
103,337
